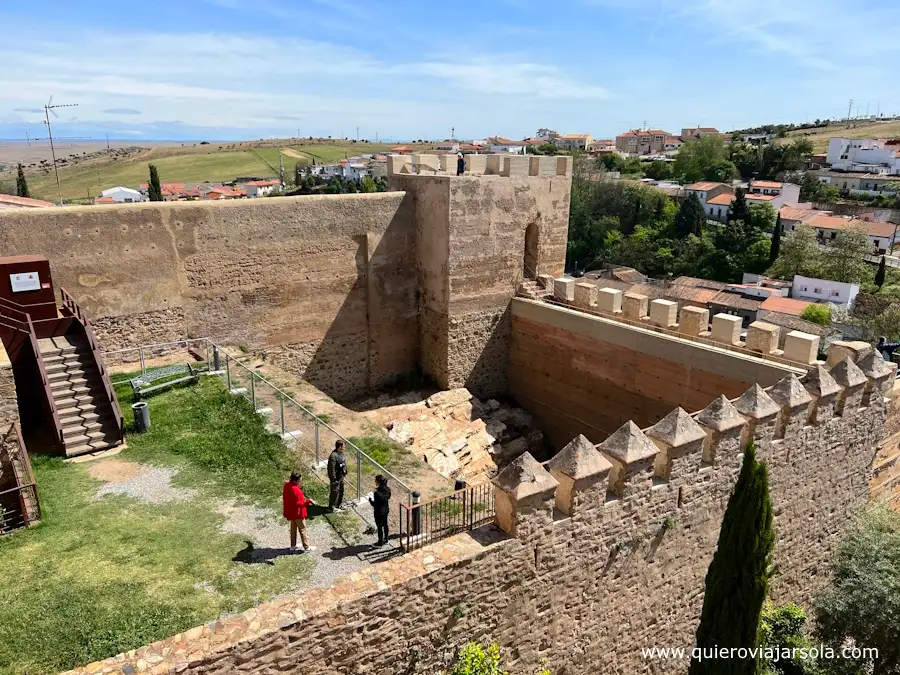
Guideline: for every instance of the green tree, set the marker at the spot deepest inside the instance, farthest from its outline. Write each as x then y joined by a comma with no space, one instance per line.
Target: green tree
154,190
776,242
738,576
704,159
739,209
799,254
861,604
658,170
781,628
611,162
21,183
368,185
882,270
843,259
816,313
691,216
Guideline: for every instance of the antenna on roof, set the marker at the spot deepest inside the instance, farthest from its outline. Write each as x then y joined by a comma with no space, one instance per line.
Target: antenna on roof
50,108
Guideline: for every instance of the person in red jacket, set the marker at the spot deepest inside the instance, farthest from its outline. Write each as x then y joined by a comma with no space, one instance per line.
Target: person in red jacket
293,504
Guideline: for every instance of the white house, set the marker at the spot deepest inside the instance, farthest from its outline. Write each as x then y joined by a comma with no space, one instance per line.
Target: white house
123,195
260,188
758,192
447,147
835,292
500,144
706,190
867,155
882,236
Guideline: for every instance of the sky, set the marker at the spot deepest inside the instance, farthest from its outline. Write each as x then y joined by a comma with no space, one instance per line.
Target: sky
409,69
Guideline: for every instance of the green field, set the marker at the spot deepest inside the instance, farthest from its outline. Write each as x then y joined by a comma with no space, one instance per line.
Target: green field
218,162
820,136
104,574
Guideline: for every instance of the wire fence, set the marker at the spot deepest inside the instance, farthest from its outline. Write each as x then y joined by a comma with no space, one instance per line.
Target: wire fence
305,432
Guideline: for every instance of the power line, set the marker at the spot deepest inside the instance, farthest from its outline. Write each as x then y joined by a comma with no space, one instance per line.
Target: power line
50,108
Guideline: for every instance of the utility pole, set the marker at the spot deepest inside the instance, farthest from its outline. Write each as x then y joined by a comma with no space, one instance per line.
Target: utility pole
357,134
452,133
28,139
48,108
107,142
850,110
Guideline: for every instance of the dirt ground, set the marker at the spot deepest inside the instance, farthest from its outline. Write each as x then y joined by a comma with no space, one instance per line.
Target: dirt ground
114,470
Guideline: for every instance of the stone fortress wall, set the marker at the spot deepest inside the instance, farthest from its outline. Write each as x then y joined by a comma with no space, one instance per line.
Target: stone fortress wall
599,553
347,291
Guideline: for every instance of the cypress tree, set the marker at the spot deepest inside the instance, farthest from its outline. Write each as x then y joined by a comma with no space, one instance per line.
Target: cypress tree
690,217
21,183
738,575
154,190
775,249
879,275
739,209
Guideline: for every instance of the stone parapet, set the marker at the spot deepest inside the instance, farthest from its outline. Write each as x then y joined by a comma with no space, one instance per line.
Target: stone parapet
511,166
726,328
634,306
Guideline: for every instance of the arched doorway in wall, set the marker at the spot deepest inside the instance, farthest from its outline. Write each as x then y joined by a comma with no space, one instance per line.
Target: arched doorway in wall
532,248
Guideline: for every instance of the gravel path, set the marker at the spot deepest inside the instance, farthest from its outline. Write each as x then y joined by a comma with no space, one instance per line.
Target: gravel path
151,484
267,533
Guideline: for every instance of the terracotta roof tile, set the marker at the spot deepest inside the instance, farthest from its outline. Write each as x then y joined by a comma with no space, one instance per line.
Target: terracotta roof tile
784,305
766,184
13,200
704,185
721,200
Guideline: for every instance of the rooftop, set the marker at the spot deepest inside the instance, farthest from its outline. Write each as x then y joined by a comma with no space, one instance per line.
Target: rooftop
824,222
784,305
796,214
722,200
26,202
759,198
766,184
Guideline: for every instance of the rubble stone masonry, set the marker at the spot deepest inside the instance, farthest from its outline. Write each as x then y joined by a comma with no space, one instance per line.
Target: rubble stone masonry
598,555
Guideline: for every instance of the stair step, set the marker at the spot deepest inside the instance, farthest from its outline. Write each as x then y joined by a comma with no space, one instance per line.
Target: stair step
94,446
82,401
91,430
74,381
88,437
76,356
73,375
62,365
73,417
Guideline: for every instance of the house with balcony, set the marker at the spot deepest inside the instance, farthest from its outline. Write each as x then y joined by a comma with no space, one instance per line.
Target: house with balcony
642,141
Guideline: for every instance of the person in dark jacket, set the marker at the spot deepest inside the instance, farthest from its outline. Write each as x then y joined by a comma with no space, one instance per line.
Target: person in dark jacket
337,470
460,164
380,502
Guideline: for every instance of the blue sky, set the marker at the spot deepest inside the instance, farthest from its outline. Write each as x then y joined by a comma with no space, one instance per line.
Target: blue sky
238,69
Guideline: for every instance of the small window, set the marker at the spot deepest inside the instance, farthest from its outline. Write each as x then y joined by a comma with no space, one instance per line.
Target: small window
835,294
818,291
834,235
803,288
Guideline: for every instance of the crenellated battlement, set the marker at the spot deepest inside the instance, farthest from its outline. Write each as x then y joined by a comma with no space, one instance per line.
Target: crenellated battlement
680,449
542,166
691,323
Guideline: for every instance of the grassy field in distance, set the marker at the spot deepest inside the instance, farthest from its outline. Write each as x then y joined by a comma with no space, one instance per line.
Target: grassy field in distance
215,162
821,135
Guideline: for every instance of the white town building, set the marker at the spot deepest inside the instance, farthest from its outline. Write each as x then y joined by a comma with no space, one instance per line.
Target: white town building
123,195
824,290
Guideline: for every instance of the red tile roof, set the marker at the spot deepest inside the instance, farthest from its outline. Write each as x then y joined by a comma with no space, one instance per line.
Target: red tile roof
721,200
704,185
574,136
766,184
104,200
27,202
795,214
264,183
759,198
784,305
838,223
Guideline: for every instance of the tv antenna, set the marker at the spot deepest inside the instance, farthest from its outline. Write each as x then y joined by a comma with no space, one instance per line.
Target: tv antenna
50,108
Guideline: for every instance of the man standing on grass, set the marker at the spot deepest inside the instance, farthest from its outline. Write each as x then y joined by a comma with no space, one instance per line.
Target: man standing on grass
337,470
293,505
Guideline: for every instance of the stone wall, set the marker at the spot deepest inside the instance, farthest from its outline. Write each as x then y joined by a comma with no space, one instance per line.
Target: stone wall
600,557
582,373
323,282
471,249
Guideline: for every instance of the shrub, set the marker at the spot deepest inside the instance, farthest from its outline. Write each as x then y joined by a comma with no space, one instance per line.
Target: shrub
820,314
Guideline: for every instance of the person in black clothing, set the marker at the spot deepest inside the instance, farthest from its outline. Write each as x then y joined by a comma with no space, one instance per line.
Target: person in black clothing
380,503
460,164
337,470
886,349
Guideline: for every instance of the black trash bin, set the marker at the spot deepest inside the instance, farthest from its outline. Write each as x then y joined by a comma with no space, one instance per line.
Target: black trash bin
141,416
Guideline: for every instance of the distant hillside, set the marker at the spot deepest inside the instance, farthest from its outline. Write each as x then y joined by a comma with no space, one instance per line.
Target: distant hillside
820,135
213,162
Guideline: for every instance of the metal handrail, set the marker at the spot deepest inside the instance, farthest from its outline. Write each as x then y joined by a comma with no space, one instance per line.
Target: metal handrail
321,422
26,460
45,379
75,308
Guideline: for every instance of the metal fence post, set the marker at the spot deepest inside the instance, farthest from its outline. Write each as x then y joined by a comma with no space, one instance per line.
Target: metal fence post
281,400
215,355
143,365
253,389
317,440
358,475
228,371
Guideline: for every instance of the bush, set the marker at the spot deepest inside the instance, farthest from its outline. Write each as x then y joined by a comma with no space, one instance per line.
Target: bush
474,659
820,314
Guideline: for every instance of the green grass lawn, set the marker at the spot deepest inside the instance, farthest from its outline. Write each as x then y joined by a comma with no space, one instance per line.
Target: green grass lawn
103,575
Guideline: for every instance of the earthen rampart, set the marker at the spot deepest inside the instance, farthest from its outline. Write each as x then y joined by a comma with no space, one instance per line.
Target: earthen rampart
599,553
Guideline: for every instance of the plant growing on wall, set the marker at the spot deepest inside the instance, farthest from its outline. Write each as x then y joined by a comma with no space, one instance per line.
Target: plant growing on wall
738,576
474,659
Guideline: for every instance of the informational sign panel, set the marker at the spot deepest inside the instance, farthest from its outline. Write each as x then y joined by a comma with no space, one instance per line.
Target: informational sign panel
25,281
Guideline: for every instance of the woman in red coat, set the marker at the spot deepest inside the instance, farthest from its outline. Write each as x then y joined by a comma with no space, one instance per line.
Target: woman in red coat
293,506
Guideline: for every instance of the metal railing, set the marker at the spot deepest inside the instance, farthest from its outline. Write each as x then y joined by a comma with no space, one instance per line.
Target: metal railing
309,434
29,511
684,336
442,517
69,304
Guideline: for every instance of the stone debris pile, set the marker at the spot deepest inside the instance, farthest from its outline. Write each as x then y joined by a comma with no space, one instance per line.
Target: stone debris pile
458,435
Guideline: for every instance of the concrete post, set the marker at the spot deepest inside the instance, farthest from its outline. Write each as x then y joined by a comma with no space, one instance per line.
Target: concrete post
694,321
564,289
634,306
585,295
727,329
762,337
801,347
609,300
664,313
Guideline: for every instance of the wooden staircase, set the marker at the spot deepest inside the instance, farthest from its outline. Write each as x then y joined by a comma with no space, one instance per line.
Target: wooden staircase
86,415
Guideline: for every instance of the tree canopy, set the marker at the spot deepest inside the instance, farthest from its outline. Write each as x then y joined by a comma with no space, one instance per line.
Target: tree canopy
21,183
154,190
704,159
